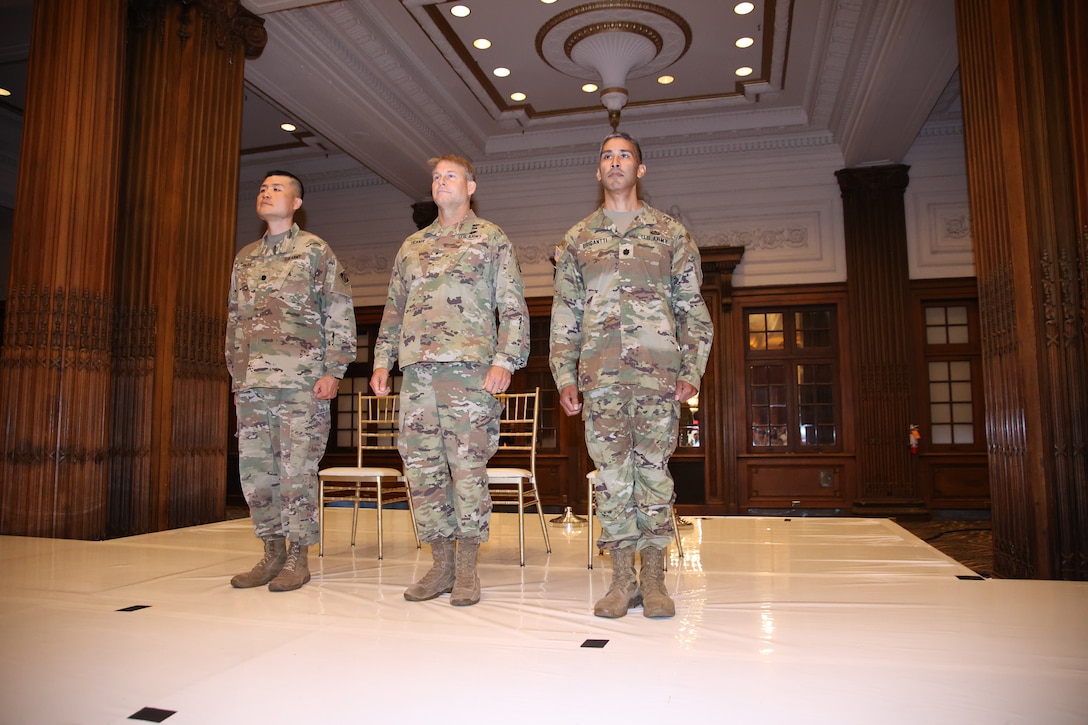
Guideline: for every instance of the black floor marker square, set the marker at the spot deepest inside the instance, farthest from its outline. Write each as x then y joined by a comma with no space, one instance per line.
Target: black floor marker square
595,643
151,714
134,608
971,577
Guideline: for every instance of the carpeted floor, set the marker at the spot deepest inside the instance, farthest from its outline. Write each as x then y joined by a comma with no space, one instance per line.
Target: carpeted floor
968,542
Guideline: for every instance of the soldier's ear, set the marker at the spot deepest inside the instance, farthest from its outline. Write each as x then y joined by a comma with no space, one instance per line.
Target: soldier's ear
298,203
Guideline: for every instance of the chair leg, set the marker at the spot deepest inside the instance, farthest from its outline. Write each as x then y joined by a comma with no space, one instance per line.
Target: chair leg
676,531
321,518
589,517
412,513
378,508
521,520
543,524
354,515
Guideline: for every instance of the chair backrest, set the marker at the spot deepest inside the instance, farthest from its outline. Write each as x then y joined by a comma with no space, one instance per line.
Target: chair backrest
378,423
519,425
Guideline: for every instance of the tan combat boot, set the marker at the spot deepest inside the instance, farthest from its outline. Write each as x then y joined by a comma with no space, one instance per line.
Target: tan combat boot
439,580
656,601
275,556
623,594
466,588
295,572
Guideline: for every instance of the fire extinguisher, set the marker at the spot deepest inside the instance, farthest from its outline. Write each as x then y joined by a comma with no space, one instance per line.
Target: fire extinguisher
915,436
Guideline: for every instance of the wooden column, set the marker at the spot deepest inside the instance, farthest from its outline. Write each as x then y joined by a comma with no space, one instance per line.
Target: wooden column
175,247
54,374
1022,69
719,393
879,297
112,381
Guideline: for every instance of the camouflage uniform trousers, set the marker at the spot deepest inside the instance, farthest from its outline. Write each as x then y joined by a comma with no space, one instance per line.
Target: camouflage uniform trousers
631,433
449,430
282,434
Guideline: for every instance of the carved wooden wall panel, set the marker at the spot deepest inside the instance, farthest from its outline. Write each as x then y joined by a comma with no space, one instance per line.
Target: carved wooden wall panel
54,379
1022,124
114,391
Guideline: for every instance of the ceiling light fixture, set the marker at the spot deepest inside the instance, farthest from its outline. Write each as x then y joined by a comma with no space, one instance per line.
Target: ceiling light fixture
743,8
517,96
665,80
612,41
743,71
288,127
481,43
501,72
4,92
589,87
744,42
460,11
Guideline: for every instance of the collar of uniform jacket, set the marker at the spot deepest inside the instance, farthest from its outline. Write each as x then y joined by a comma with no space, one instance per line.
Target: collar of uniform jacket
645,218
264,248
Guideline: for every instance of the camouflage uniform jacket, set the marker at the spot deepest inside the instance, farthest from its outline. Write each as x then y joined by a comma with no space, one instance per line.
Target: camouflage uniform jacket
290,316
443,296
627,308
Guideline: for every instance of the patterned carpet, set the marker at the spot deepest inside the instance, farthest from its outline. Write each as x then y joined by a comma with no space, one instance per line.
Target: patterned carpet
968,542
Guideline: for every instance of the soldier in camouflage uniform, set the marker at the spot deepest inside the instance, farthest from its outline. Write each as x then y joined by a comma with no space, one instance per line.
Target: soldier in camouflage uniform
456,321
631,332
290,338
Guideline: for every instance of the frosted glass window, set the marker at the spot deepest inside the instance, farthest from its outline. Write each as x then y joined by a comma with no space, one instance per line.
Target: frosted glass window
951,409
947,325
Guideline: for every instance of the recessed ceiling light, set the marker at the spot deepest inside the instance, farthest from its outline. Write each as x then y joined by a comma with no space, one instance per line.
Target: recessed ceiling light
743,8
288,127
588,87
517,97
744,42
482,43
547,2
665,80
4,92
501,72
743,71
459,11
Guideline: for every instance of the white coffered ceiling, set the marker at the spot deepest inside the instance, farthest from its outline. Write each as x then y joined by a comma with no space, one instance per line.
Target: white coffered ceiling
390,82
387,83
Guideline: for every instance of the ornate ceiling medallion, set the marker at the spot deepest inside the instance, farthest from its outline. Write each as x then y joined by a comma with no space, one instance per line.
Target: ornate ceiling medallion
611,41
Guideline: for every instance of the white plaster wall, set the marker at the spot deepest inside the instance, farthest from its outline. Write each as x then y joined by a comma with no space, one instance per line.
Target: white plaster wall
938,215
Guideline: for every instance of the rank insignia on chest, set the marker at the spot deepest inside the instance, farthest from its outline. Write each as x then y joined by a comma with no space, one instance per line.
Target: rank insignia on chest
626,250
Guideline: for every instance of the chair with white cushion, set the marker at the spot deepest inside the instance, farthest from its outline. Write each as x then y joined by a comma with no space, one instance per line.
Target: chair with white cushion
378,427
518,436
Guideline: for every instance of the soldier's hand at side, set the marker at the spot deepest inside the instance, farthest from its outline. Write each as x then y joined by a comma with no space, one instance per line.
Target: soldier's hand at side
379,381
685,391
497,380
326,388
568,399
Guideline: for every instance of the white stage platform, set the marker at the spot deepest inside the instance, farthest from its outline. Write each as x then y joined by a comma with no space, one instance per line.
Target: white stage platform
809,620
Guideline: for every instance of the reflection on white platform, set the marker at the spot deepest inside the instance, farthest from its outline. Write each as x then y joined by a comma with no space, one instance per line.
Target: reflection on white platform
808,620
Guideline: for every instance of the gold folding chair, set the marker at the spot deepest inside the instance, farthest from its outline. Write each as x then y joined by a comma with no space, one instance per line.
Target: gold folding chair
518,436
378,427
591,478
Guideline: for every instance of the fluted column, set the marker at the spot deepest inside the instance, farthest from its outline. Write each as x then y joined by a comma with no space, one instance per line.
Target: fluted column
175,246
878,280
54,374
1022,70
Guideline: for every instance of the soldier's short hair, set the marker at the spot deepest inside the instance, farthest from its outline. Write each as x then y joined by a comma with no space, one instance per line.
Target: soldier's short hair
299,188
470,173
625,137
